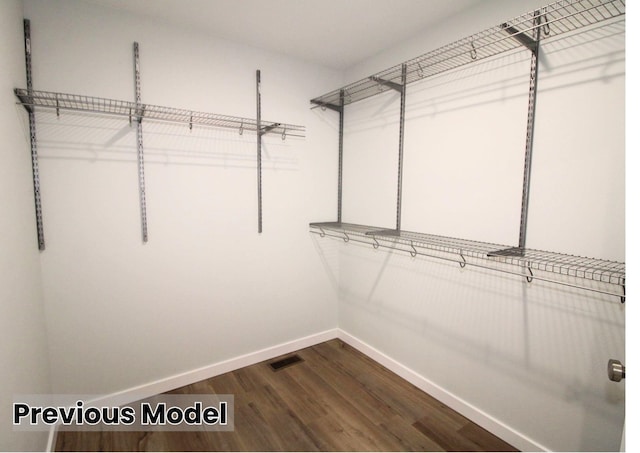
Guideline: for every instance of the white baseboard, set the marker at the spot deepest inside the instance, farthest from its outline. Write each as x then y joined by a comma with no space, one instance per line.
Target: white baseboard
189,377
474,414
51,440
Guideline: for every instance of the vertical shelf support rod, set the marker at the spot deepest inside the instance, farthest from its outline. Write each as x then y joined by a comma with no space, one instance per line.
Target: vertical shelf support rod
402,89
403,97
534,46
32,136
259,133
139,114
340,153
340,109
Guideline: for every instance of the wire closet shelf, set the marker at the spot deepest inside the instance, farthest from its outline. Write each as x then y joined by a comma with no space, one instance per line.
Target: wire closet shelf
511,260
558,18
139,112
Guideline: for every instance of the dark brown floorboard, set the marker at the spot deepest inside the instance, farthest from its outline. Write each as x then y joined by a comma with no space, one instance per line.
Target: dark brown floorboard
336,399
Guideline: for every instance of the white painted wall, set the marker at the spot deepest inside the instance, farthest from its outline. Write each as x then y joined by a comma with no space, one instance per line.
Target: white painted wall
24,366
206,287
532,357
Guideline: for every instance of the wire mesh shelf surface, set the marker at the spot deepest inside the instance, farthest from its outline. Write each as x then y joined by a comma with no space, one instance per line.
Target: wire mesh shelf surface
605,271
555,19
90,104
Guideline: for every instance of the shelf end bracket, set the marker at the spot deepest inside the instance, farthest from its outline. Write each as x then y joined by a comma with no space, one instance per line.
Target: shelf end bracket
269,128
522,37
388,83
325,105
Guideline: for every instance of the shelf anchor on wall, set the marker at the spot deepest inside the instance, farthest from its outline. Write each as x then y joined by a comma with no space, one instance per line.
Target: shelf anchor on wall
140,147
340,109
259,133
32,136
533,44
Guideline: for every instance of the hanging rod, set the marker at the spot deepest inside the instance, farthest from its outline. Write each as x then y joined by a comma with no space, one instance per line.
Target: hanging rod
556,19
91,104
485,255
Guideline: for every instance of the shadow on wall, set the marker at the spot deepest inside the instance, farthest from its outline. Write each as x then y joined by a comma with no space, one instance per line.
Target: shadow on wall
506,77
94,138
464,325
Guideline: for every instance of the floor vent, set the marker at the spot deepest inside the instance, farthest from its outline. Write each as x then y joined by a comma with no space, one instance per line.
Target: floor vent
286,362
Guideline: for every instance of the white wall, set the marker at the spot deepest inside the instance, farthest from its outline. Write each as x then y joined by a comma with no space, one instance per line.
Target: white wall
533,357
206,287
24,367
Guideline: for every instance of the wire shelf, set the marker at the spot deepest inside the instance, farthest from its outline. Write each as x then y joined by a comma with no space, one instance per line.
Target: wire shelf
91,104
555,19
484,254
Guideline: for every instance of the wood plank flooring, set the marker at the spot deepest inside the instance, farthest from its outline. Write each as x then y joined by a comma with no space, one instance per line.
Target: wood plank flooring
336,399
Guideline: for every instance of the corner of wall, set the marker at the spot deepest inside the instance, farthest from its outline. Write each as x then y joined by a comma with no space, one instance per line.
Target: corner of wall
24,355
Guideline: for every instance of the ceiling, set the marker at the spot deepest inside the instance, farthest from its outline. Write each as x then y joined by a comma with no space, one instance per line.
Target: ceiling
333,33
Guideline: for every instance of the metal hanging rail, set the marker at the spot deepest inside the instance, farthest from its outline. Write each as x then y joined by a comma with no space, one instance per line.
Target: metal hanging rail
486,255
148,112
558,18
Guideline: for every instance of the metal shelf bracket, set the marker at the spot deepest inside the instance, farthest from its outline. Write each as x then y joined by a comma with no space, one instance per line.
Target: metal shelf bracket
35,169
259,133
140,146
266,129
388,83
340,109
534,46
522,37
324,106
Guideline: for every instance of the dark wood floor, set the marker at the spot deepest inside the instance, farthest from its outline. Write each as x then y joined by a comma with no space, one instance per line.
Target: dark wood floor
336,399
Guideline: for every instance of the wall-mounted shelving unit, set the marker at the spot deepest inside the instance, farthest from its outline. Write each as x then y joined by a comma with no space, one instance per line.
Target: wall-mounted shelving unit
147,112
553,267
555,19
523,32
137,112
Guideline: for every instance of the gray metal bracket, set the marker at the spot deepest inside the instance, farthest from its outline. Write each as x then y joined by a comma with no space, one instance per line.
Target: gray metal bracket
267,129
403,103
340,110
260,132
531,117
140,147
522,37
533,44
399,87
335,108
32,137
